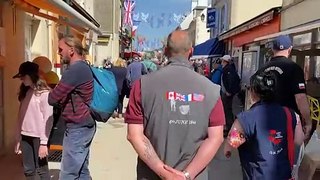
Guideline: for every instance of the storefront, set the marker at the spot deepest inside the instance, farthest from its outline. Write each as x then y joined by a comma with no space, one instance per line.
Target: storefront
248,54
13,49
306,52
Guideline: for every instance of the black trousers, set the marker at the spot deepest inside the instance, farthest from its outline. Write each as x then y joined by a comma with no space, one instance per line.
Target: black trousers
32,164
227,105
120,104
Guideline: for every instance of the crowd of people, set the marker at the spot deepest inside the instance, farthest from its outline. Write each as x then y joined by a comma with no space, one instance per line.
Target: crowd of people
177,117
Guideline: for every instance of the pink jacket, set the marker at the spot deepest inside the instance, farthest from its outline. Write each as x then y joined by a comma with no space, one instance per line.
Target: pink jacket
35,116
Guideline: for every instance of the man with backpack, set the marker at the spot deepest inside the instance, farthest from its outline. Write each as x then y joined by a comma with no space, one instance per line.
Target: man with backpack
230,85
73,94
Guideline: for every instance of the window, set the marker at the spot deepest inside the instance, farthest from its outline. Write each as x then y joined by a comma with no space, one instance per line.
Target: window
223,18
302,39
306,68
317,67
294,59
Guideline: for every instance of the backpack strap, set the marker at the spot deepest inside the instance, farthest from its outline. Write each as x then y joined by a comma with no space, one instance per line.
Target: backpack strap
290,136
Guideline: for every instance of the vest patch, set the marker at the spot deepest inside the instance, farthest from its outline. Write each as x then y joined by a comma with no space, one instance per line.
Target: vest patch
193,97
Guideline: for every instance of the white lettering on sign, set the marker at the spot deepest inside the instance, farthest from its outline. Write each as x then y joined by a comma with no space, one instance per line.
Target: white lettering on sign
274,68
182,122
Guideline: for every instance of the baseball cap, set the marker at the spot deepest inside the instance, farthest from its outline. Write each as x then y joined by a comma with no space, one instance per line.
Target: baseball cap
226,58
27,68
282,42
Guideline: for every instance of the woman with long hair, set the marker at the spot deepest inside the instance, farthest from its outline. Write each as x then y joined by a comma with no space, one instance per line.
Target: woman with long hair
120,71
266,134
34,122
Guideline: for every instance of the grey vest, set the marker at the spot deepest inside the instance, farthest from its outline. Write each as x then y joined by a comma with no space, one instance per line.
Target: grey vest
176,116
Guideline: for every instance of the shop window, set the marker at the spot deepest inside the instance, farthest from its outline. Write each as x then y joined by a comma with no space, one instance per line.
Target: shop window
313,81
317,67
294,58
307,68
302,39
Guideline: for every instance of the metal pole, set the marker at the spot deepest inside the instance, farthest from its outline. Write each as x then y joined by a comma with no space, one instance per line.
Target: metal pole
131,39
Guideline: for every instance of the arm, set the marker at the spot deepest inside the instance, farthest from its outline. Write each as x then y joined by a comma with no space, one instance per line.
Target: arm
135,133
298,133
47,113
211,144
144,149
299,90
77,74
303,106
206,151
236,135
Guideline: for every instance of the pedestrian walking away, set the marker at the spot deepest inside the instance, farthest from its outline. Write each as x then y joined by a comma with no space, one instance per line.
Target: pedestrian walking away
175,118
120,71
73,93
291,89
230,86
265,134
34,122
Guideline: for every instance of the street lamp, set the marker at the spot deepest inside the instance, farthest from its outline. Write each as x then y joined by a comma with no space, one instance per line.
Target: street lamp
202,17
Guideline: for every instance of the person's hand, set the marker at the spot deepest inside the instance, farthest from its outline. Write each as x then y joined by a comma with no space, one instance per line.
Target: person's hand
228,94
174,174
43,151
17,149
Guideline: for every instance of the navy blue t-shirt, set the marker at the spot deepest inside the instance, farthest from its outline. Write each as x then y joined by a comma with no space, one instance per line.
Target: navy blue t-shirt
264,155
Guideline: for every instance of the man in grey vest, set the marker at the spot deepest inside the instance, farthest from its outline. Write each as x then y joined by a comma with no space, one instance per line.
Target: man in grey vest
175,118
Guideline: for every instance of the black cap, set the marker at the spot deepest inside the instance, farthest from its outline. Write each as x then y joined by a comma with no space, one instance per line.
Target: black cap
27,68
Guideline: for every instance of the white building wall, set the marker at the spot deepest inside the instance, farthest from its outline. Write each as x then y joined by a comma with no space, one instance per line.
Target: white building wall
202,33
301,13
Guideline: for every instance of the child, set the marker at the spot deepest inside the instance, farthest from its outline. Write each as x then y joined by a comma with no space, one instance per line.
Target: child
34,122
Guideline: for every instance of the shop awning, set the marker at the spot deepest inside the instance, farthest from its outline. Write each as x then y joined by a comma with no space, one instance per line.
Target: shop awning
211,48
295,30
76,16
252,23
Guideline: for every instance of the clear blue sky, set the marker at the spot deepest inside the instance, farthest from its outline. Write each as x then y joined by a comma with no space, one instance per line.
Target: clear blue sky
163,17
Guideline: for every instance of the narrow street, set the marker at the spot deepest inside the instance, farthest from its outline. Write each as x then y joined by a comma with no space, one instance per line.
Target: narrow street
112,157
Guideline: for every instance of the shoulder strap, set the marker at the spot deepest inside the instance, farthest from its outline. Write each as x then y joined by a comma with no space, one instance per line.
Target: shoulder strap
290,136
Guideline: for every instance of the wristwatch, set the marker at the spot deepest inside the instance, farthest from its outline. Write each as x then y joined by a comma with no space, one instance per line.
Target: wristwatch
187,175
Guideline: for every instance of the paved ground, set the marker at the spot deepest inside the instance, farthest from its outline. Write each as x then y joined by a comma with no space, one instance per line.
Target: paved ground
113,158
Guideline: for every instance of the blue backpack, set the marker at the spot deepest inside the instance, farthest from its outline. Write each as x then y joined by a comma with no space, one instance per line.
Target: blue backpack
105,94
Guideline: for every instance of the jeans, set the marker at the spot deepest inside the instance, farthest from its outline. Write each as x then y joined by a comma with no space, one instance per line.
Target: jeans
76,148
32,164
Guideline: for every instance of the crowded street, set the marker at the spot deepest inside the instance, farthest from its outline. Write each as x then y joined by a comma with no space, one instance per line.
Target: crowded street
159,90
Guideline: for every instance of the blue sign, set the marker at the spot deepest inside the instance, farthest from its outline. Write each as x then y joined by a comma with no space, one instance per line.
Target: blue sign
211,18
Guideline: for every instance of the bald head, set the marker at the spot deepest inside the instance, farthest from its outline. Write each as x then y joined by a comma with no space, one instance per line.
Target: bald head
179,44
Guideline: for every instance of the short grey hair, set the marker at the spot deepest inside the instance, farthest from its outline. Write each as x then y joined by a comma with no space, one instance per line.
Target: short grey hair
181,45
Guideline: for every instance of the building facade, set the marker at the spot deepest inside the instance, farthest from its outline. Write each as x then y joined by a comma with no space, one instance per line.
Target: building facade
31,28
108,14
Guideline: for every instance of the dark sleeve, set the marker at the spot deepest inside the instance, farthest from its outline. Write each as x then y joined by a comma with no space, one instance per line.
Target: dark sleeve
144,69
217,117
74,76
298,82
246,124
134,112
